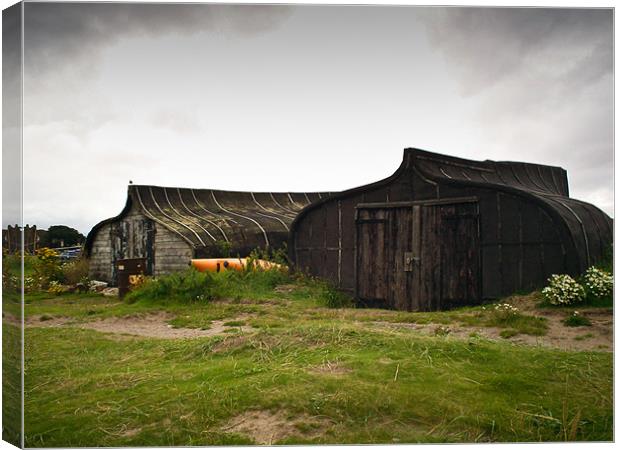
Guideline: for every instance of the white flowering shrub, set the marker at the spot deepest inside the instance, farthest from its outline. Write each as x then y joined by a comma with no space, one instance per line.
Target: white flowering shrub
598,283
563,290
505,311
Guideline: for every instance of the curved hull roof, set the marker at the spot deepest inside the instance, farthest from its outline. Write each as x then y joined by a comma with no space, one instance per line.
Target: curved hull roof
246,220
588,226
206,217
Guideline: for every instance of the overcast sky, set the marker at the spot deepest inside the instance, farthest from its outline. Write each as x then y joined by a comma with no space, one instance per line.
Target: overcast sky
302,98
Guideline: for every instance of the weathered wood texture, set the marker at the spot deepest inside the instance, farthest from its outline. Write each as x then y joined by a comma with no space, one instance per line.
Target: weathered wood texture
137,236
132,237
418,257
169,226
526,228
207,218
171,253
100,261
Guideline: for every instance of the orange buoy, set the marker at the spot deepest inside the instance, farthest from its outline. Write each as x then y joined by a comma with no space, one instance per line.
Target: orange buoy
219,264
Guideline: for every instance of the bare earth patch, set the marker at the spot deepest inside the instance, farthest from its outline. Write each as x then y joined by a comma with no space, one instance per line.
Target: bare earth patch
267,428
45,320
599,334
597,337
151,325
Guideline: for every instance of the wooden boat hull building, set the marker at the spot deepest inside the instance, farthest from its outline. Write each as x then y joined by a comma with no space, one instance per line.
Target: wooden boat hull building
440,232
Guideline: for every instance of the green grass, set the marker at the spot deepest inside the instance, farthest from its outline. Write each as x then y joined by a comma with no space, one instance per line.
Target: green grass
583,337
192,286
521,323
11,384
598,302
508,333
588,302
85,388
575,320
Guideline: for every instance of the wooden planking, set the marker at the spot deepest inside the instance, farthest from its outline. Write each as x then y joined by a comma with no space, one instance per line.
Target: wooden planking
491,281
430,258
533,266
524,234
444,237
130,237
372,261
460,255
416,250
100,258
400,243
171,253
347,273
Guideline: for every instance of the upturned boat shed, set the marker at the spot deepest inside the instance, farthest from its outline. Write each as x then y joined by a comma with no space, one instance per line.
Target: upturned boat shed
440,232
443,232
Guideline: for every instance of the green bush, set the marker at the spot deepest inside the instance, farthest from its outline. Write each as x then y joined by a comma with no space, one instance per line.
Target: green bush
11,266
189,286
577,320
47,267
333,298
223,249
75,271
504,315
193,286
275,255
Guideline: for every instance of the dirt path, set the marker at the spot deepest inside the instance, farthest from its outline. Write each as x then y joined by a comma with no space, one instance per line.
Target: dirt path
153,325
597,337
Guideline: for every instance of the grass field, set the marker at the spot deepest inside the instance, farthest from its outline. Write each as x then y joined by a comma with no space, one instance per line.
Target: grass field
269,363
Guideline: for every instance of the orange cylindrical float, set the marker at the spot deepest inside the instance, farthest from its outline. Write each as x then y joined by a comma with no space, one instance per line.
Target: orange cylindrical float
219,264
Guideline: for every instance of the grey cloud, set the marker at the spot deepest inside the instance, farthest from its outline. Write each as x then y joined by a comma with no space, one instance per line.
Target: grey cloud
11,117
60,33
543,80
489,45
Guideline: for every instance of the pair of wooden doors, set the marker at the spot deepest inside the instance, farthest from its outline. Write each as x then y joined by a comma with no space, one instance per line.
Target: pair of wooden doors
130,239
418,256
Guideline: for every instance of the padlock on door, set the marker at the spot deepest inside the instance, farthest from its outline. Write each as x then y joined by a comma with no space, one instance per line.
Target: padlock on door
409,260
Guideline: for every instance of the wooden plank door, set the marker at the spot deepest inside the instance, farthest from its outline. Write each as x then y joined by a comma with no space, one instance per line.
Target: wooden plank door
372,257
422,256
387,253
403,258
460,255
450,273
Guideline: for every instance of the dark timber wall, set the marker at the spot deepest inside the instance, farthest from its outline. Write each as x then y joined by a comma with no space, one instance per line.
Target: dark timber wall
521,228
